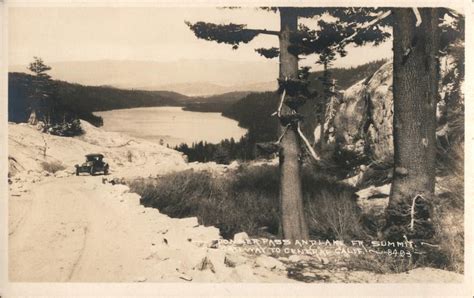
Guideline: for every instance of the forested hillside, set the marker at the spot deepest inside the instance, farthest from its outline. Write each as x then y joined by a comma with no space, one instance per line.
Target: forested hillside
265,127
215,103
254,112
222,103
83,100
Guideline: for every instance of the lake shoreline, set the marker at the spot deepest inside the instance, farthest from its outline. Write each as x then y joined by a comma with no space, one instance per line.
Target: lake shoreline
172,125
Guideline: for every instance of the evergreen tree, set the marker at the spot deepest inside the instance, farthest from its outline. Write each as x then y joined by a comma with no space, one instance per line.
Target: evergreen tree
293,221
294,40
221,155
326,43
41,97
419,37
415,95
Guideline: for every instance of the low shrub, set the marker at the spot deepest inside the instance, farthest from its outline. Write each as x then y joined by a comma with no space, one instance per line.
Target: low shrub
52,166
66,129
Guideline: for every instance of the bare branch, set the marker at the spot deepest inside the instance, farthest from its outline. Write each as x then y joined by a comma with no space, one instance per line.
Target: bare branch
283,134
453,13
417,15
412,212
265,31
428,244
280,107
308,145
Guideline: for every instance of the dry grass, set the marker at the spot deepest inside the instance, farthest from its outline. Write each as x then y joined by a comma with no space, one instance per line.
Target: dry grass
233,204
334,215
449,212
247,200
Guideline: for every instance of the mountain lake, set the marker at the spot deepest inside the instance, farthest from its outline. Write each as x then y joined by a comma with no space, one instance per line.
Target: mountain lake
171,125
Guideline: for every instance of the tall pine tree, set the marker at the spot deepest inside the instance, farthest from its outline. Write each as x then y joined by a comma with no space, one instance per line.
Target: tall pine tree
41,96
419,38
294,94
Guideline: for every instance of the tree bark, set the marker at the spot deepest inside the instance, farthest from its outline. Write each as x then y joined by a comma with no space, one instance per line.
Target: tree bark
293,220
415,93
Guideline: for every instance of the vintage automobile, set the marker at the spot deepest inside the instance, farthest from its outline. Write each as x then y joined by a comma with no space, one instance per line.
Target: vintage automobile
94,163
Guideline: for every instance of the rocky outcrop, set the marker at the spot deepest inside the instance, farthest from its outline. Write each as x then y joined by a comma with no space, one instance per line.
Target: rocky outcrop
363,121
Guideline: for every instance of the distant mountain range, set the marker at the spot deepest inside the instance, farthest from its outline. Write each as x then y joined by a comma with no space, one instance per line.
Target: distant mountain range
209,89
188,77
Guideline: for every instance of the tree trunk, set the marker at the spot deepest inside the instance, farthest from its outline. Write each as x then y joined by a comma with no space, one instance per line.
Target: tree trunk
415,93
293,220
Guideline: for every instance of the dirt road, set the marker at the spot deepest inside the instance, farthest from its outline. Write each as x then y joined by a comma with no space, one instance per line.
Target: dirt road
78,229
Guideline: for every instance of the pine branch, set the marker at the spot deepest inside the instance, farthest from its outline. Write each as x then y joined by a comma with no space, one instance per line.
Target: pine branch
268,53
232,34
377,19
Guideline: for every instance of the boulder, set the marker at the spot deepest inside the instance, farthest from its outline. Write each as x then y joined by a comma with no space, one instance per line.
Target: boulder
241,237
201,235
372,192
234,260
213,261
296,258
373,200
269,263
245,273
61,174
190,222
233,165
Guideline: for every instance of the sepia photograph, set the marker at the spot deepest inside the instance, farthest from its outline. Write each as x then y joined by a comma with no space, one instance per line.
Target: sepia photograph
232,144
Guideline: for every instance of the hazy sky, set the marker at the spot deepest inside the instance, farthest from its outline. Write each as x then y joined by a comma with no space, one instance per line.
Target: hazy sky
158,34
68,34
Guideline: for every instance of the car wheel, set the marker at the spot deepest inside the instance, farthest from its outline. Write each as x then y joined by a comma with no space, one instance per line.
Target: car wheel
91,171
77,172
106,171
